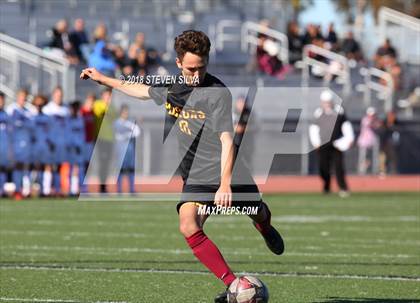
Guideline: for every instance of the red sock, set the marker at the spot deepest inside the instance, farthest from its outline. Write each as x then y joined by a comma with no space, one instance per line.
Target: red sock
208,254
264,227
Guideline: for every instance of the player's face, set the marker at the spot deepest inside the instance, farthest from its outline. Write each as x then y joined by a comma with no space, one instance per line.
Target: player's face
326,106
21,99
124,114
58,96
106,97
1,102
193,66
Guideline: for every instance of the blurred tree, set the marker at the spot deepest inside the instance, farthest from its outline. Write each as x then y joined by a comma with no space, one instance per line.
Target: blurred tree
299,6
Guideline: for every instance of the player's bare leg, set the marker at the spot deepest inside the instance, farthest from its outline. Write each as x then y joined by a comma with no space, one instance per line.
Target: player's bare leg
191,226
262,222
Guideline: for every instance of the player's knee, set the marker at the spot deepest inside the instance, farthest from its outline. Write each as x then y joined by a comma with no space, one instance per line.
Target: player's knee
187,229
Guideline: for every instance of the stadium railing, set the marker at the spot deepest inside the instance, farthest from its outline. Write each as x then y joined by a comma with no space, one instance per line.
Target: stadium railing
405,34
343,72
26,65
250,30
384,92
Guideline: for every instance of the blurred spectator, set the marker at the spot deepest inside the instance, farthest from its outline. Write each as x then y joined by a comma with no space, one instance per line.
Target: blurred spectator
295,42
60,40
140,64
122,61
125,131
137,46
5,144
90,132
368,142
389,140
386,49
391,66
105,115
384,54
79,39
101,58
312,35
22,129
332,35
59,114
241,118
43,146
76,142
331,146
412,101
154,66
351,48
267,55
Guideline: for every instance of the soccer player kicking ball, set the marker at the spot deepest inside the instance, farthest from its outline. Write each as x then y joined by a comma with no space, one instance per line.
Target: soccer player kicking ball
200,112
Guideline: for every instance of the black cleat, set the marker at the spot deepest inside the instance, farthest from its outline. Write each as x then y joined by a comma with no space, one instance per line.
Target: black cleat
222,297
273,240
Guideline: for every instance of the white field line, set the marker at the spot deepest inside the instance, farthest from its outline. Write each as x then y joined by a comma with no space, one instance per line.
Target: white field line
52,300
338,218
295,219
101,234
193,272
120,250
81,234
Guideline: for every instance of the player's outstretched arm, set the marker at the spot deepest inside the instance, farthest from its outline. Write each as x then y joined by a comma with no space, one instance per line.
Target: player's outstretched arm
139,90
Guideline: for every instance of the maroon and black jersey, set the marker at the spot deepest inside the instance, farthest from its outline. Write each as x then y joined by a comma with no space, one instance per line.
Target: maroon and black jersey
198,115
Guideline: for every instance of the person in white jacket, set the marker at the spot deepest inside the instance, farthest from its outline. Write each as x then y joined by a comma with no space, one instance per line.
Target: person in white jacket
331,134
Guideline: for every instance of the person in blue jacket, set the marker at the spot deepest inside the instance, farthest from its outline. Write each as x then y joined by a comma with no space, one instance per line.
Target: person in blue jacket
76,141
101,58
59,114
5,144
43,147
125,132
22,137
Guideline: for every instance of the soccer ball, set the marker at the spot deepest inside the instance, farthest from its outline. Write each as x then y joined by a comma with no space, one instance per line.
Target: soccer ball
247,289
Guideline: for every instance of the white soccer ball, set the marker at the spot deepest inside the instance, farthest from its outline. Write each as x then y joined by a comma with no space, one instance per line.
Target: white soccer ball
247,289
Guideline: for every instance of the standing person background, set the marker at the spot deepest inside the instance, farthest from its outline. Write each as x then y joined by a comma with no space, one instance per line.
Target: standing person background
22,135
5,143
368,142
104,134
331,145
389,139
42,147
59,114
90,133
125,132
76,141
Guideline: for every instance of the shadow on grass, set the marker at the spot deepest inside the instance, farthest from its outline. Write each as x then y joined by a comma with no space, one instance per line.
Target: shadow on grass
366,300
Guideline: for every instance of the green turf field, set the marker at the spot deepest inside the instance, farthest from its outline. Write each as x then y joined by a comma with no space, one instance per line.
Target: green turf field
362,249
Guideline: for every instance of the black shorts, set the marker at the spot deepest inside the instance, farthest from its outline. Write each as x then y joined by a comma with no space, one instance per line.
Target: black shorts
242,195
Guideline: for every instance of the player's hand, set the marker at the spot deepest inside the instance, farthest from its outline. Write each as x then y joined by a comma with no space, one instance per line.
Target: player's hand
223,196
91,73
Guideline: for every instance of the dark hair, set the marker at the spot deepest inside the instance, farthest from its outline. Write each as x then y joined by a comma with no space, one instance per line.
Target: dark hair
58,87
192,41
106,90
124,107
75,105
2,94
23,90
